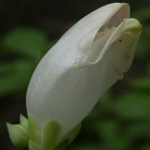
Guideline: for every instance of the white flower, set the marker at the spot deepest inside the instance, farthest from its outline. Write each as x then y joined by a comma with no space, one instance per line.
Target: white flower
88,59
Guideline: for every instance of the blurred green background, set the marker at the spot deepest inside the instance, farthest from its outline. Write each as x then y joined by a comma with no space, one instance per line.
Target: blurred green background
120,120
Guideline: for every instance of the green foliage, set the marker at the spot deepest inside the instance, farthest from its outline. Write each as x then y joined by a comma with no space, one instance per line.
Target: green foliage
29,42
146,147
133,106
14,76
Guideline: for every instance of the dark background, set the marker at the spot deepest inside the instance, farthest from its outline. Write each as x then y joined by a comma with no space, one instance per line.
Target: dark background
120,120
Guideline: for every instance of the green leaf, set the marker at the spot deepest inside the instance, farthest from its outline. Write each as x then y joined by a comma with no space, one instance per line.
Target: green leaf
143,44
119,142
146,147
7,68
142,15
108,129
25,41
16,78
137,129
133,106
140,83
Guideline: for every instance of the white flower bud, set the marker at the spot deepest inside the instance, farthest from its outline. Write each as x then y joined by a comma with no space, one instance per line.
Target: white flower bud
88,59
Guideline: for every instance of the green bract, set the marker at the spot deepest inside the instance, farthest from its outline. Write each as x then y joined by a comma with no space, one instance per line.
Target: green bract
19,133
28,134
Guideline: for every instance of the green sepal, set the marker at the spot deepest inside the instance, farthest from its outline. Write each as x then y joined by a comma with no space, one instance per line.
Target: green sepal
24,122
34,146
28,133
35,132
51,133
18,135
62,146
73,133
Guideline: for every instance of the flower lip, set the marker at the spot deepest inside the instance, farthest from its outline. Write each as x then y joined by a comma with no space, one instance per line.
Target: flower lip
130,26
123,43
134,26
102,35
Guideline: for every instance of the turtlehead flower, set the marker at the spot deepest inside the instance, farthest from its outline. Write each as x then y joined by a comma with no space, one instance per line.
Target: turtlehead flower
67,83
